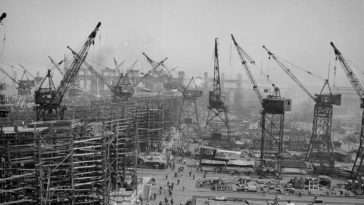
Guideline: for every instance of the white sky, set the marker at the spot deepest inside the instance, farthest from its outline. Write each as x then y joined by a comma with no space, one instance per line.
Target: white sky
184,31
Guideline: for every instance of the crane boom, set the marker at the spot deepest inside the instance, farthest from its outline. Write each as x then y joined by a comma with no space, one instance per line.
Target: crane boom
150,71
241,52
132,66
350,74
117,66
56,65
92,70
75,67
154,63
289,73
9,76
216,88
31,75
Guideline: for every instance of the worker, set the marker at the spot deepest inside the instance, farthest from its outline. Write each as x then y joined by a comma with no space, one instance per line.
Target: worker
290,203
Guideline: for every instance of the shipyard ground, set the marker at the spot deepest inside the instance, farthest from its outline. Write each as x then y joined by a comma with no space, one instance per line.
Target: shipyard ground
201,195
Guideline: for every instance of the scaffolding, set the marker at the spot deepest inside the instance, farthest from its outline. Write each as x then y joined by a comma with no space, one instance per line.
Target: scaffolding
82,161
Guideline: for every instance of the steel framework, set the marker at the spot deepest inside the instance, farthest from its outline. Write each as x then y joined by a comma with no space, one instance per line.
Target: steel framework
217,106
189,114
272,139
320,142
272,118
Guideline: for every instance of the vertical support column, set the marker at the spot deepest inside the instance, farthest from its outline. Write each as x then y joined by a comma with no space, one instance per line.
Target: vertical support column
360,152
262,141
320,142
272,139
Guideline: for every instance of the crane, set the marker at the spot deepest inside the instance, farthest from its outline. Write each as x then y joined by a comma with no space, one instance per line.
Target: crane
272,116
165,77
216,104
190,96
123,89
358,88
320,141
150,72
24,86
36,79
48,100
189,107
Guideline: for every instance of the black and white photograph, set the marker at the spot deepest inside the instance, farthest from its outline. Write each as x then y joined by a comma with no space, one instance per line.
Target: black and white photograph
181,102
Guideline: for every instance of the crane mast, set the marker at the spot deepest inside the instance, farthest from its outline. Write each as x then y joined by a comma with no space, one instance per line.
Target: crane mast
216,87
356,169
49,100
217,105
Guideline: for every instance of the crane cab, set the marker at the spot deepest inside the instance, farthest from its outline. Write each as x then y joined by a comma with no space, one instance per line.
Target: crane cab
44,96
328,99
216,101
192,94
25,87
274,105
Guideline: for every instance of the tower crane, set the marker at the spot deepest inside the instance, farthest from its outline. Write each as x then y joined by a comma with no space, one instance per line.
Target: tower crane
217,105
320,141
355,171
48,100
272,117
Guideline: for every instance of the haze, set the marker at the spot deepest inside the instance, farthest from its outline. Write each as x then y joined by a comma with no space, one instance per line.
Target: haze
184,31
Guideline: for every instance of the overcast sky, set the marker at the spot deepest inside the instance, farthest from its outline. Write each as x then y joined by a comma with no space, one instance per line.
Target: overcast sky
184,31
